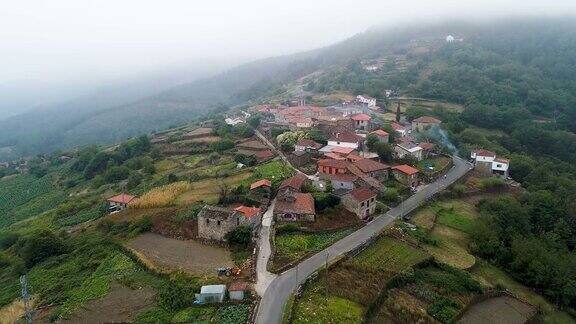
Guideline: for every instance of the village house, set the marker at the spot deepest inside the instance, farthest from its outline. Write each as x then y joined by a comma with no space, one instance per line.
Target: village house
291,203
399,129
261,189
198,133
307,145
360,201
343,152
341,182
215,222
488,163
367,100
300,122
328,167
403,149
423,123
332,166
406,175
373,168
361,121
119,202
300,158
346,139
382,136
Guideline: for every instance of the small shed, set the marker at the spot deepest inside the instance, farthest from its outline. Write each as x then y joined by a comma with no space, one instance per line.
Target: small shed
237,290
211,294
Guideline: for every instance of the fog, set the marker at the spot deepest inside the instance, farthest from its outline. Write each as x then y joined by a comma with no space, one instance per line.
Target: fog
55,49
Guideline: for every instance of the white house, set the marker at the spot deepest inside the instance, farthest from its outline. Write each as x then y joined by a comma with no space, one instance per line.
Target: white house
487,162
449,39
233,121
401,130
211,294
346,139
408,148
371,102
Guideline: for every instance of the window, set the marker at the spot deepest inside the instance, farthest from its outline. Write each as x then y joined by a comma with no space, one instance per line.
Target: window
218,223
362,204
207,220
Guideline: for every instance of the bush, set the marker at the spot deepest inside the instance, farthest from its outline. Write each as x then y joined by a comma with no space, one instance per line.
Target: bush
492,183
390,195
39,246
177,294
443,309
241,235
286,229
7,240
324,200
222,145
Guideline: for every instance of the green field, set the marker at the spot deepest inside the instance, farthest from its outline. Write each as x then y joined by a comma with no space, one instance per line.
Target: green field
455,218
275,171
292,246
389,254
313,307
16,192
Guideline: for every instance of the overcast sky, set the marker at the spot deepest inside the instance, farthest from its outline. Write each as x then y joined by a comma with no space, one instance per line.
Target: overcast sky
70,40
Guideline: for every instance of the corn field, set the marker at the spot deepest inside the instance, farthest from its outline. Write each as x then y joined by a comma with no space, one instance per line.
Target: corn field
162,196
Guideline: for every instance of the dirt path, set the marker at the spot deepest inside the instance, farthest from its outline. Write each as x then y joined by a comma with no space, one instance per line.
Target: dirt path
189,256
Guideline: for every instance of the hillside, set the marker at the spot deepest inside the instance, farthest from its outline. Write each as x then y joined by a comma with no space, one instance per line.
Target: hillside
508,87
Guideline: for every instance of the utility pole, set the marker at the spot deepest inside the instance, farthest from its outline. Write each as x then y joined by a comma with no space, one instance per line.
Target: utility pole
326,281
26,299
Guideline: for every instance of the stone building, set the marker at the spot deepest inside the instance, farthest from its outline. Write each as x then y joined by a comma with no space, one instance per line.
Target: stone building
360,201
215,222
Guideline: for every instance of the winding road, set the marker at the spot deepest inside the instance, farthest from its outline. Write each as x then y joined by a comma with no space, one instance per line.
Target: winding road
277,289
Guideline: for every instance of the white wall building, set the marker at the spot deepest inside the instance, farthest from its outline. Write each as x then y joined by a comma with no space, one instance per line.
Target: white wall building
487,162
371,102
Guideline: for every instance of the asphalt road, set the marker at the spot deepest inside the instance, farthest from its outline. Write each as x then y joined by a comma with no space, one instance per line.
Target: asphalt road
279,290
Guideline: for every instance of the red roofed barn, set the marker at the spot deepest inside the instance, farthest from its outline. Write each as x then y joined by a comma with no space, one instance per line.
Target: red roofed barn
119,202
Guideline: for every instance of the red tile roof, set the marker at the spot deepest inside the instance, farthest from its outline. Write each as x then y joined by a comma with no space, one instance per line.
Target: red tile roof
427,120
427,146
406,169
380,132
248,212
342,150
501,160
397,126
347,137
303,204
362,194
309,143
333,163
367,165
264,155
482,152
361,117
238,286
121,199
352,157
334,156
260,183
295,182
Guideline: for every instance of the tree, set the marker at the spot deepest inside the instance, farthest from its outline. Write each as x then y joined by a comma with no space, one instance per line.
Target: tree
39,246
241,235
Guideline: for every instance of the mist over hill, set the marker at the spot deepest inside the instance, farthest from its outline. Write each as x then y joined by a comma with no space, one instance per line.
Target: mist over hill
523,62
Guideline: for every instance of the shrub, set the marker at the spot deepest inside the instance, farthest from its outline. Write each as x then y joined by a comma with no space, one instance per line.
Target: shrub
7,240
241,235
39,246
324,200
286,229
177,294
390,195
492,183
443,309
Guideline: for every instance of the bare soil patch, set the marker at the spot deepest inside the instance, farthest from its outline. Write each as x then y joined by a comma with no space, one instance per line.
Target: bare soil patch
121,305
333,219
499,310
170,254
